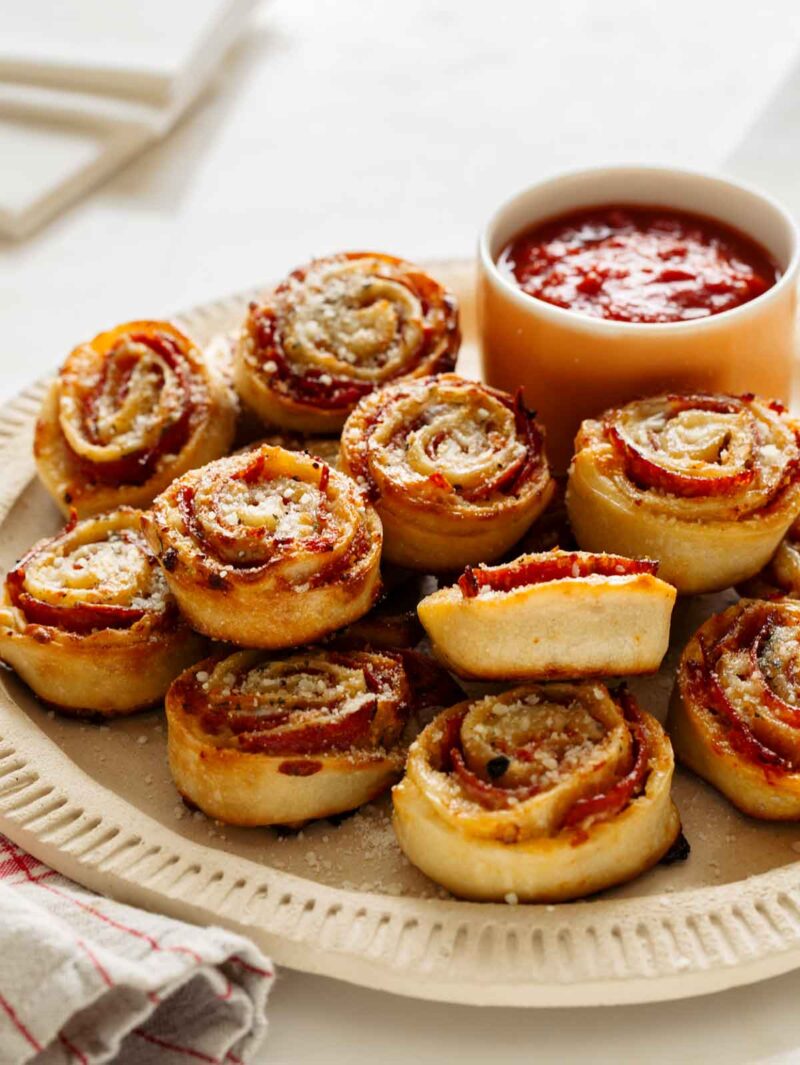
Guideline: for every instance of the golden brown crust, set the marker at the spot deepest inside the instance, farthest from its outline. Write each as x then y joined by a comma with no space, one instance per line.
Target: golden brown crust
256,740
780,578
706,485
734,717
336,329
130,411
542,794
457,469
269,548
88,623
557,614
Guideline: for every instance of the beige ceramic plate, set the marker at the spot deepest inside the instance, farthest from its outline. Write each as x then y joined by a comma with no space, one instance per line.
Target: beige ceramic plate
98,804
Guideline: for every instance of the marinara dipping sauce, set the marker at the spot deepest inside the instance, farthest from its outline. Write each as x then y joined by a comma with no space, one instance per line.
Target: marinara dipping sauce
639,264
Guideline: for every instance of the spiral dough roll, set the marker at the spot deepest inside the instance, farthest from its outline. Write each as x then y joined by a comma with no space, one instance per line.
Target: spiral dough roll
457,470
735,711
543,793
88,621
269,548
337,329
260,740
557,614
707,485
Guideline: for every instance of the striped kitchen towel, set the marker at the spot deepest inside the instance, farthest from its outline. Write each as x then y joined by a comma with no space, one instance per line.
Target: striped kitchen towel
85,980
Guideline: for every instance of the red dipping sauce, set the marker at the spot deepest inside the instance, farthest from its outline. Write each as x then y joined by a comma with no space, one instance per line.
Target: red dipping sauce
639,264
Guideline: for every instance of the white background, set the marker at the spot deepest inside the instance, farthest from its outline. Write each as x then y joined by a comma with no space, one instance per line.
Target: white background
360,123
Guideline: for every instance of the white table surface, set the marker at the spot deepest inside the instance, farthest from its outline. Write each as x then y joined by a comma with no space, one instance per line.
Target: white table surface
347,123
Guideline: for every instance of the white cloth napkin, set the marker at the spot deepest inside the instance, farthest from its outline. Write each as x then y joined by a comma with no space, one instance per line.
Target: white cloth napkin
85,980
137,48
86,85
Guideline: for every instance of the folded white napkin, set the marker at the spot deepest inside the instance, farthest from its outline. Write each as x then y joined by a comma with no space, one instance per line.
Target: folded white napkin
86,85
145,48
48,163
87,980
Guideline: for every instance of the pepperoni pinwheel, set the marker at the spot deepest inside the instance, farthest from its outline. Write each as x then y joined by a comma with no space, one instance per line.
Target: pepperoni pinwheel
88,622
543,793
261,740
551,615
128,412
457,470
735,711
337,329
705,484
269,548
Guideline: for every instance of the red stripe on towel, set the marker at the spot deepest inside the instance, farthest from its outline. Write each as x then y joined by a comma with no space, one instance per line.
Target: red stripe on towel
12,1015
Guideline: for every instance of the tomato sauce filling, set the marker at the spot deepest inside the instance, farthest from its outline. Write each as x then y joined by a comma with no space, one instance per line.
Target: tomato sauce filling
639,264
601,805
80,618
751,633
264,726
557,567
313,385
138,467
